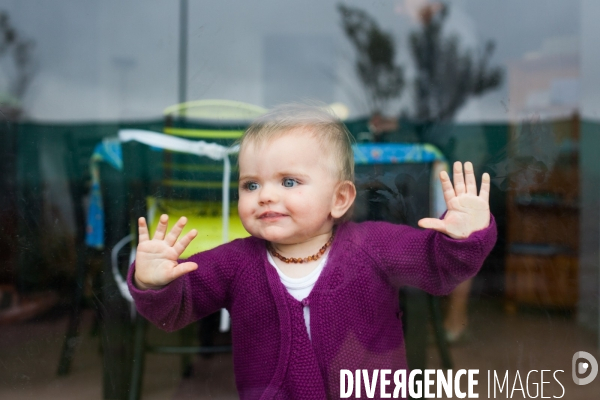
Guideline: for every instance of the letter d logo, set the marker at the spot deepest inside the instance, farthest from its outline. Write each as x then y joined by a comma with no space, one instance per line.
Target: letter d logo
583,367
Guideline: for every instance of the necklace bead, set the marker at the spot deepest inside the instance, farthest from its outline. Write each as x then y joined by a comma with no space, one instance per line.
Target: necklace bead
293,260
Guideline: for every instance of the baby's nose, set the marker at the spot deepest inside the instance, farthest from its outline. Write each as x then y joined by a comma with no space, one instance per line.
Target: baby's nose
268,194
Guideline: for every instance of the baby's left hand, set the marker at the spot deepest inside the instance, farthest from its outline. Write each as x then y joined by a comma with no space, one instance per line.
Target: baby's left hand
467,211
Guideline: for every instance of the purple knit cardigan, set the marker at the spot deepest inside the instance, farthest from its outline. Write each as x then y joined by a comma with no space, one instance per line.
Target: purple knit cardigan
354,309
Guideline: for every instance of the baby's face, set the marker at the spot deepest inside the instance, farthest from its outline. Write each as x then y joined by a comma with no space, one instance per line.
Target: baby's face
287,188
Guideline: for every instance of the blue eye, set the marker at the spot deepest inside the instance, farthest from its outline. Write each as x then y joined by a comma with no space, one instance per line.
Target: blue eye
250,185
289,182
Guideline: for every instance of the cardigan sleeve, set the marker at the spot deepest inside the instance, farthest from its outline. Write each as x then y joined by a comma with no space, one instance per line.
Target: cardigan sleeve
427,259
191,296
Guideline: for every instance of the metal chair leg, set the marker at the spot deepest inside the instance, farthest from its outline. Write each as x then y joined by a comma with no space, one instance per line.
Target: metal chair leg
71,337
187,339
139,347
416,316
438,329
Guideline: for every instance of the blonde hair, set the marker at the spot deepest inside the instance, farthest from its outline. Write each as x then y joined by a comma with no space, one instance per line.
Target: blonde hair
316,118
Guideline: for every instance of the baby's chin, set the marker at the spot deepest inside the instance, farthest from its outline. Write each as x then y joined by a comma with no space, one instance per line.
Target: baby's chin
276,235
276,238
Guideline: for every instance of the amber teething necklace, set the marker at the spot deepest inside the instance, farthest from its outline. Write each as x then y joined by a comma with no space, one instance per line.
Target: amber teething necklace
293,260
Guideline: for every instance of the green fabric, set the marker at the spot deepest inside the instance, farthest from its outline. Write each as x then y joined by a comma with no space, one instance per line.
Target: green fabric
205,217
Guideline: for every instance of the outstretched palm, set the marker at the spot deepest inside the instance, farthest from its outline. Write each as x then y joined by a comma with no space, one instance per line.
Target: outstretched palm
467,211
156,260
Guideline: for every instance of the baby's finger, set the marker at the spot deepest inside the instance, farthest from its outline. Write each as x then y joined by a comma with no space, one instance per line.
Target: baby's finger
142,230
471,183
172,236
458,178
163,222
447,188
183,268
484,193
183,243
433,223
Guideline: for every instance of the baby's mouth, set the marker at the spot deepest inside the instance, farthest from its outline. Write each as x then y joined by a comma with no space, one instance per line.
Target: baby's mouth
271,214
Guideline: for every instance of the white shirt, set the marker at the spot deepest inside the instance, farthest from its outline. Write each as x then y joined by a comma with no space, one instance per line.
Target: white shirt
300,288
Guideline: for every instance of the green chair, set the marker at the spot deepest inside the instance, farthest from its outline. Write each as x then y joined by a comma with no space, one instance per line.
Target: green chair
186,170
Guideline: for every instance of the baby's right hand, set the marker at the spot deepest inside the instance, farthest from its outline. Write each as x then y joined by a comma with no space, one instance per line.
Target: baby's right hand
156,260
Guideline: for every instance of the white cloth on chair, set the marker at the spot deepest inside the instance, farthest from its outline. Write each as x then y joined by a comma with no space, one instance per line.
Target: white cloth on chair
200,148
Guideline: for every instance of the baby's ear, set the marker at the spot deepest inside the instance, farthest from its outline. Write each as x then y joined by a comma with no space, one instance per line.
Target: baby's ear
343,198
